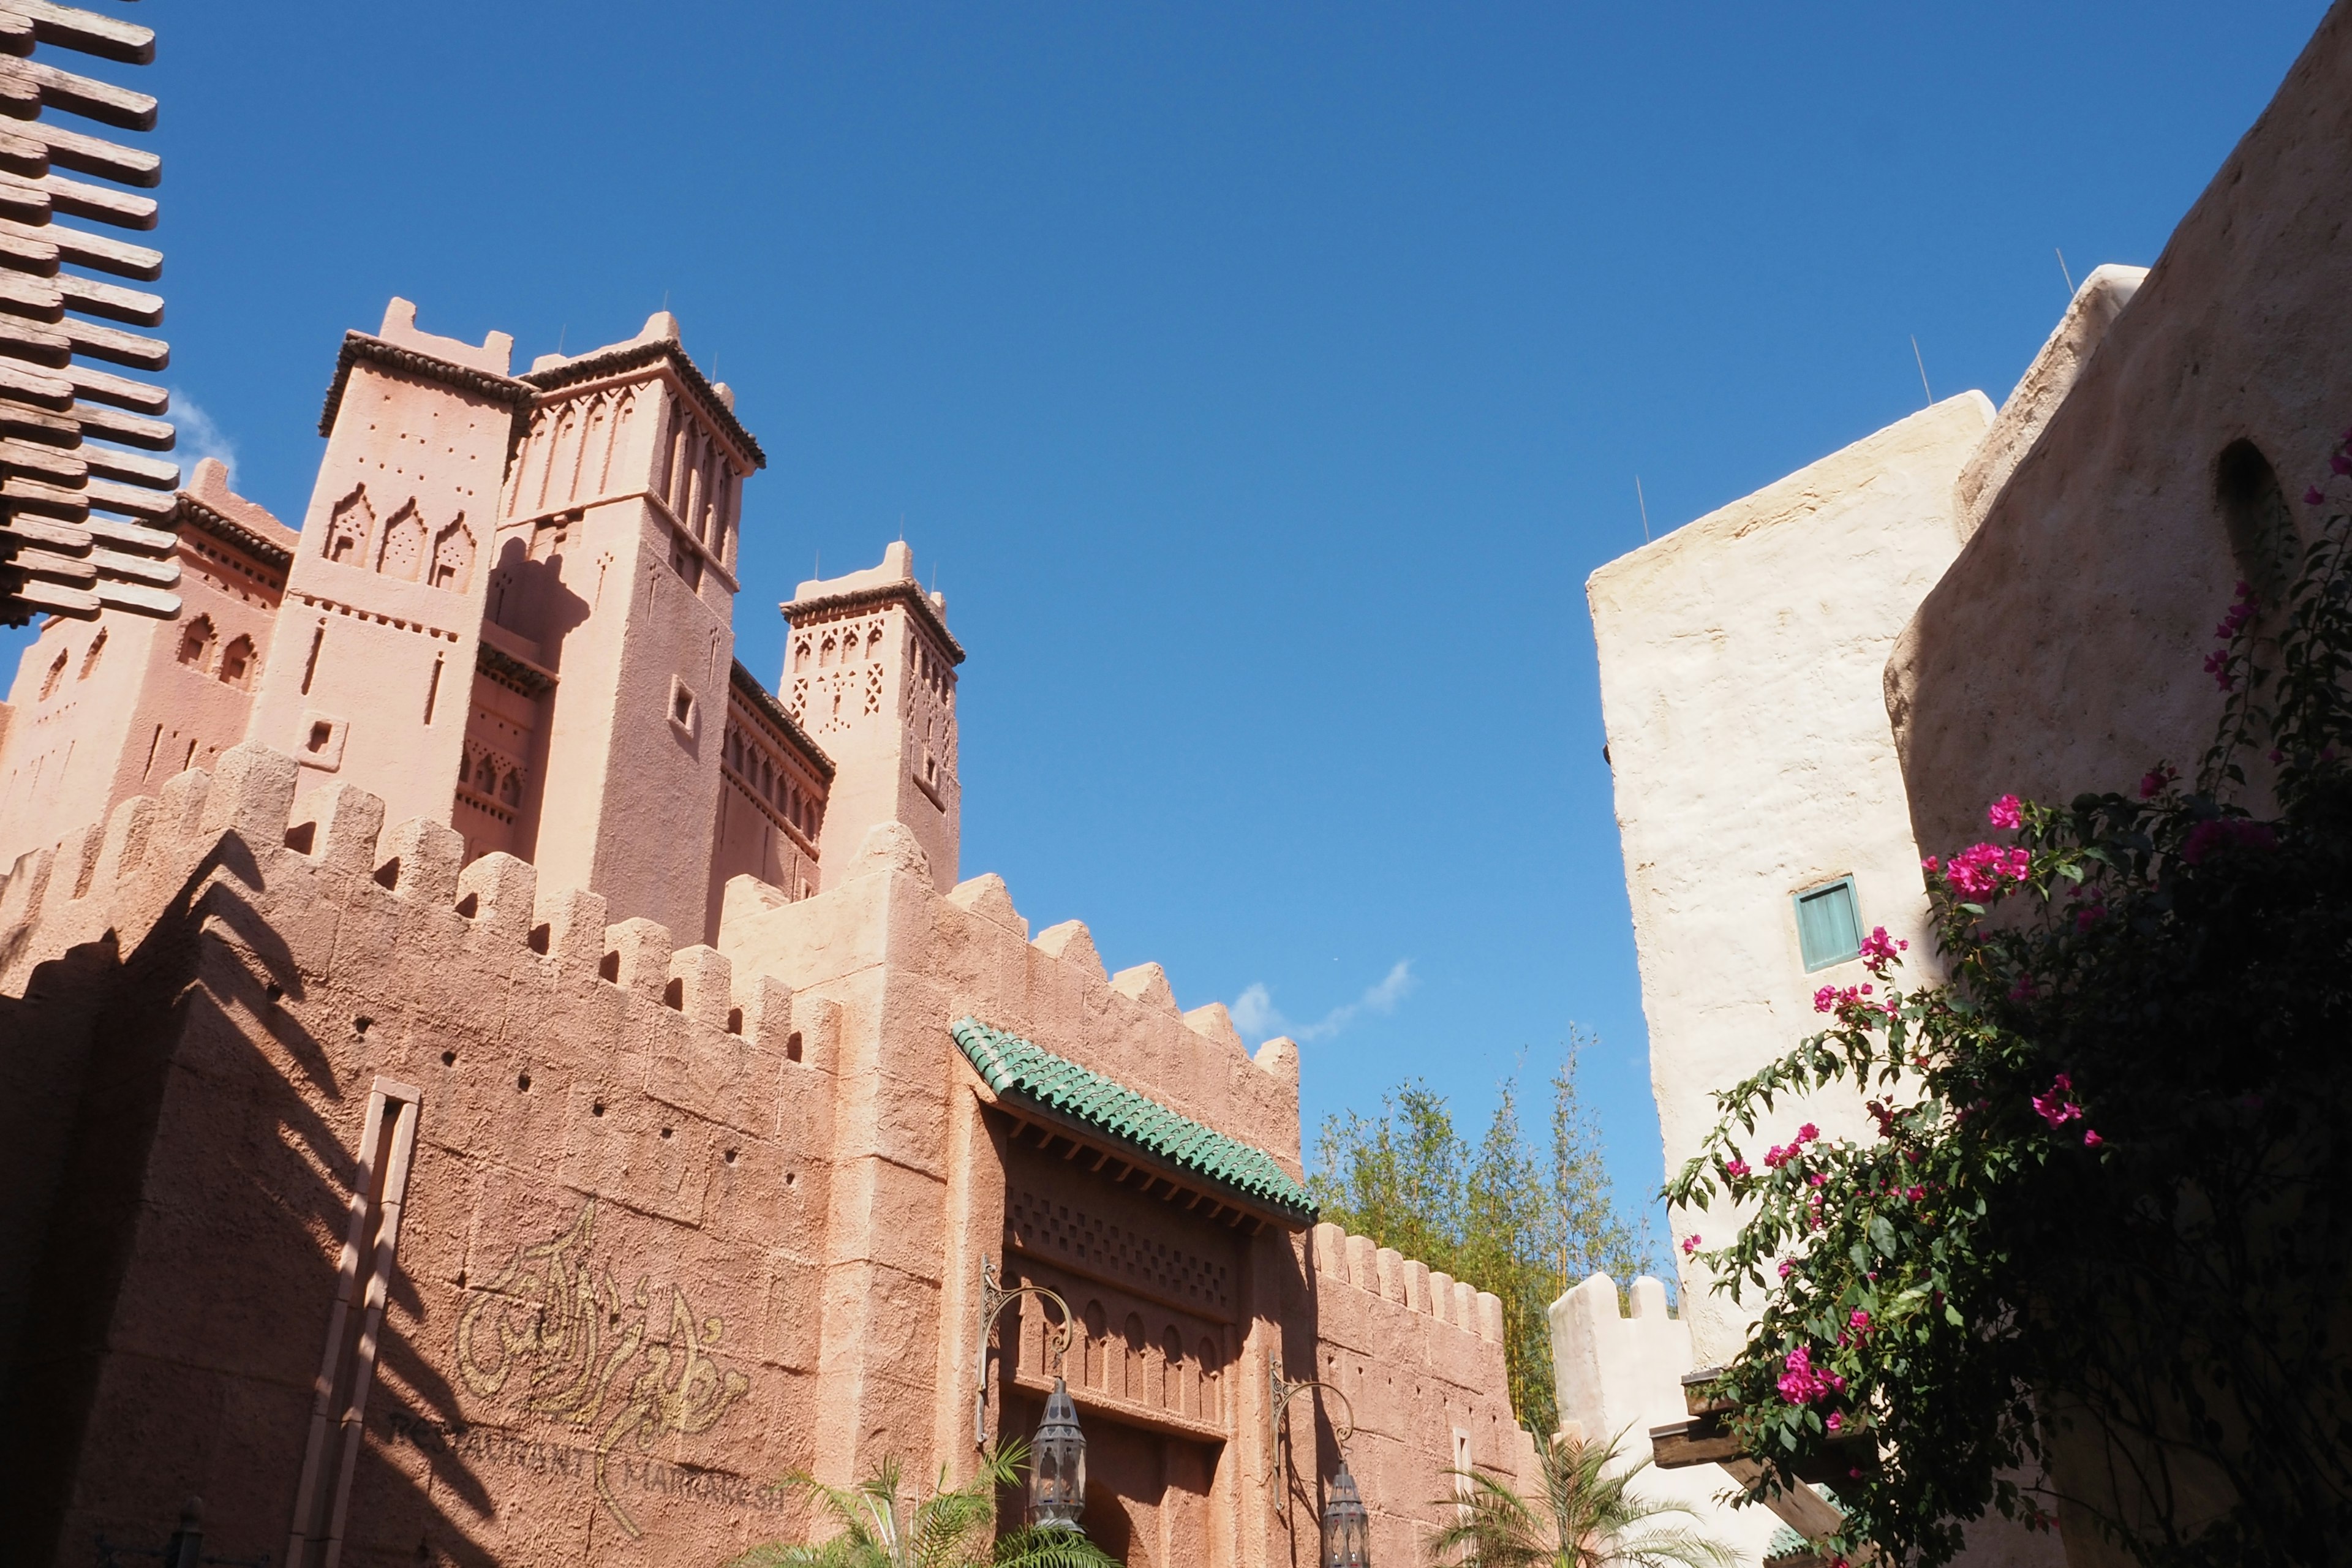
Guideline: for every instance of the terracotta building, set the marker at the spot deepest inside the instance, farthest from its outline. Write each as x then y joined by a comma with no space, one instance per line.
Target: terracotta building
485,1079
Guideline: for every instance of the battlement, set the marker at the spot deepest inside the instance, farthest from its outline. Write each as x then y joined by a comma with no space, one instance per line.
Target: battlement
120,875
1364,1263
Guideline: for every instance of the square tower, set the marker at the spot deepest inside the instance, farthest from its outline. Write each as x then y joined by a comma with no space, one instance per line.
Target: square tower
380,627
599,711
870,676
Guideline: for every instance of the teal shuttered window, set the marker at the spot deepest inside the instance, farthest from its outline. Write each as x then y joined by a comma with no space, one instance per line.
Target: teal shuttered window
1829,924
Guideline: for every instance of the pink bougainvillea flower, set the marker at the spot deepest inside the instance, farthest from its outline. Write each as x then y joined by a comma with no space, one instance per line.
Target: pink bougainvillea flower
2312,497
2156,780
1807,1132
1825,999
2091,1139
1817,1180
2006,812
1835,1421
2058,1108
2089,915
1878,950
2340,463
1859,1321
1735,1168
1690,1244
1786,1267
2217,665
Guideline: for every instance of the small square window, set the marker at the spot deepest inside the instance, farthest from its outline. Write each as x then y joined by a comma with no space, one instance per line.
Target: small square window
1829,924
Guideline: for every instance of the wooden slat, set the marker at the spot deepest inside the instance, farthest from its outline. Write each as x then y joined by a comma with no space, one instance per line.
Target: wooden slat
20,96
55,567
79,198
126,568
36,257
33,299
23,200
22,152
27,423
130,500
131,468
84,249
136,396
15,33
132,535
93,99
51,463
1682,1444
49,500
33,343
114,424
93,155
62,536
27,385
111,300
71,27
1802,1510
138,597
117,346
60,600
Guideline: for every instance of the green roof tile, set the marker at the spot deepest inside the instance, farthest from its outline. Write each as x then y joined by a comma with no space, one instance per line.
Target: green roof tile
1014,1069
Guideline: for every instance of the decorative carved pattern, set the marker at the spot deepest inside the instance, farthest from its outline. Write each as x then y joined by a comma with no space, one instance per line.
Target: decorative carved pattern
453,556
1169,1368
557,1338
403,552
838,674
1053,1226
349,528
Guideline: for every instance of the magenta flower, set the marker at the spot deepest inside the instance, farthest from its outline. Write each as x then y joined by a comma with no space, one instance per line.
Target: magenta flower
2058,1108
2156,780
2312,497
2006,812
1735,1168
2340,463
1835,1421
1786,1267
2217,665
1690,1244
2088,916
1859,1321
1826,998
2090,1140
1807,1133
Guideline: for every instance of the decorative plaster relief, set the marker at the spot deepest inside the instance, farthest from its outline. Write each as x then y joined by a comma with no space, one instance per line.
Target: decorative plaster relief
554,1338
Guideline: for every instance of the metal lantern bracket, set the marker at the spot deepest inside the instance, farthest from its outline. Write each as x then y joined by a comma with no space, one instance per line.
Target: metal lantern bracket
993,1299
1280,1393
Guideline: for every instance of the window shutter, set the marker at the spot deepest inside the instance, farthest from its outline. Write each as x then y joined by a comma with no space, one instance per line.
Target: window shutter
1829,924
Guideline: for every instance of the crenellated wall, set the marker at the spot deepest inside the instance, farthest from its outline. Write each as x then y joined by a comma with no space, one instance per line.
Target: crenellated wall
671,1221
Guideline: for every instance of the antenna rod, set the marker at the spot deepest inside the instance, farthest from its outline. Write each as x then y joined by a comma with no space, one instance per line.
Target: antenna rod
1923,370
1644,502
2065,272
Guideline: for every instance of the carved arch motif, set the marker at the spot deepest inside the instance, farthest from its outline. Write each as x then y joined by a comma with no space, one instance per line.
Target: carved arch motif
402,554
197,643
236,663
90,659
349,528
453,556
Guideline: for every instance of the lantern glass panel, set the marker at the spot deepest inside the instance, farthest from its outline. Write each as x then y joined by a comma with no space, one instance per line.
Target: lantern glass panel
1346,1524
1057,1464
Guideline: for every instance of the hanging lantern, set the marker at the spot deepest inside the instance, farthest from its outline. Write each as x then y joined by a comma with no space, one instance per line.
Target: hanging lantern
1346,1524
1057,1465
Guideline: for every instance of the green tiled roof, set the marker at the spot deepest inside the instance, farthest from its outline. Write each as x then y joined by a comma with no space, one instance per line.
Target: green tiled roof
1013,1067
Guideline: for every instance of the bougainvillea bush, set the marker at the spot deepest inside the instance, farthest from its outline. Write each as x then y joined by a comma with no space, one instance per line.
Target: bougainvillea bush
2092,1265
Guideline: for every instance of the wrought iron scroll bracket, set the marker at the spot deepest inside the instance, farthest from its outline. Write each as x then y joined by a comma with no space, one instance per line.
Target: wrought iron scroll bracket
993,1299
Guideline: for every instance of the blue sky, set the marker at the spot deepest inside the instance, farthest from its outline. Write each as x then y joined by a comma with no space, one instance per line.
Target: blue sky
1259,384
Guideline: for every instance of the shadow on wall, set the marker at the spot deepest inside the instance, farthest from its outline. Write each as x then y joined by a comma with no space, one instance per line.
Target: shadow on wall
164,1288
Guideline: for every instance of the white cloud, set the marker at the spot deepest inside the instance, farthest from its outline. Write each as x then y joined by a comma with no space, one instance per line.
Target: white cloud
199,437
1256,1016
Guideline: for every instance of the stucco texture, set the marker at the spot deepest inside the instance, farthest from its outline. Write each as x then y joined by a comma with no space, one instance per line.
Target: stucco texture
1740,662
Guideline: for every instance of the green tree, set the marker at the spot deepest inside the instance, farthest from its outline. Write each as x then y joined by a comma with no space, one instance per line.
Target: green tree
950,1528
1523,1222
1586,1516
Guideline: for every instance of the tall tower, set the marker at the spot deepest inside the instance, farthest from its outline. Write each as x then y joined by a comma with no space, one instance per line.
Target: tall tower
599,715
379,629
870,674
